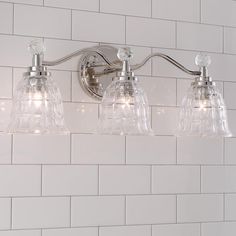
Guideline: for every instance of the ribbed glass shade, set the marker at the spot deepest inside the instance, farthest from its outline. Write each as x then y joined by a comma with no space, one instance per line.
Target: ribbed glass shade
203,113
124,110
37,107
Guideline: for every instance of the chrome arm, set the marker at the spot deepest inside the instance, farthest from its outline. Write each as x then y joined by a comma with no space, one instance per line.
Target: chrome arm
78,53
169,59
112,67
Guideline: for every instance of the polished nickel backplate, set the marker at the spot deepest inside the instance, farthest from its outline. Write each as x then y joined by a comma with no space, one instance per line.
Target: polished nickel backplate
94,73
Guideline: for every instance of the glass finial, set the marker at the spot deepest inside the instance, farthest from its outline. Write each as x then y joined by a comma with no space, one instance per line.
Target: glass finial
125,54
37,47
202,60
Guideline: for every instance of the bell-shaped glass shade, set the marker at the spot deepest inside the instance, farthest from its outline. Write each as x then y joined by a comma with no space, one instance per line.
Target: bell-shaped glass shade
37,107
124,110
203,112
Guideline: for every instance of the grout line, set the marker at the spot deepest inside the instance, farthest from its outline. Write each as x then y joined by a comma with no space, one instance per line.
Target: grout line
98,187
125,30
125,146
95,226
70,148
200,11
71,24
41,190
125,211
12,143
151,171
11,215
99,5
70,213
176,210
13,18
223,40
201,228
201,178
151,8
176,30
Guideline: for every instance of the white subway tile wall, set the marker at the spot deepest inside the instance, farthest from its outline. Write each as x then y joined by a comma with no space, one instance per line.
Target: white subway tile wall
85,184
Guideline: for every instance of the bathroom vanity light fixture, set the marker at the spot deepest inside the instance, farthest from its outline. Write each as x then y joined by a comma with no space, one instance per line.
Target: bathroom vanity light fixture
37,104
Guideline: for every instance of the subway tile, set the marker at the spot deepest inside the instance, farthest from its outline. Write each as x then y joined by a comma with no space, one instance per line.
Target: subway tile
31,2
127,7
150,32
81,117
141,230
150,150
5,150
229,39
58,48
176,229
106,149
91,5
165,120
14,51
218,229
189,36
218,179
70,180
230,207
199,208
6,16
231,121
101,31
159,91
183,10
198,150
175,179
230,150
6,82
218,12
229,95
20,180
5,213
49,212
97,211
70,232
124,179
20,233
48,22
46,149
150,209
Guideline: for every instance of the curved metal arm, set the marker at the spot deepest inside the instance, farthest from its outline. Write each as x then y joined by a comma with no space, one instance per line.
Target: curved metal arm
114,67
75,54
169,59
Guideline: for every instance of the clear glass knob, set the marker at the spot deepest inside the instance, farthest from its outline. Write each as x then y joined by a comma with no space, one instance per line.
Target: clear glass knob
202,60
125,54
37,47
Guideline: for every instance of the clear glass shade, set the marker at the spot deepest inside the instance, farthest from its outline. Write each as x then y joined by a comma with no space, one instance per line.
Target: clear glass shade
37,107
124,110
203,113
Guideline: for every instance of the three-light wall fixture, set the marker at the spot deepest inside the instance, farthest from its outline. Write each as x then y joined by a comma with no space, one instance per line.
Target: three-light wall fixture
38,109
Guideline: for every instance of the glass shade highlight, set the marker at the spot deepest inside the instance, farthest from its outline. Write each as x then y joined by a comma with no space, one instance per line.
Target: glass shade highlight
37,107
124,110
203,112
